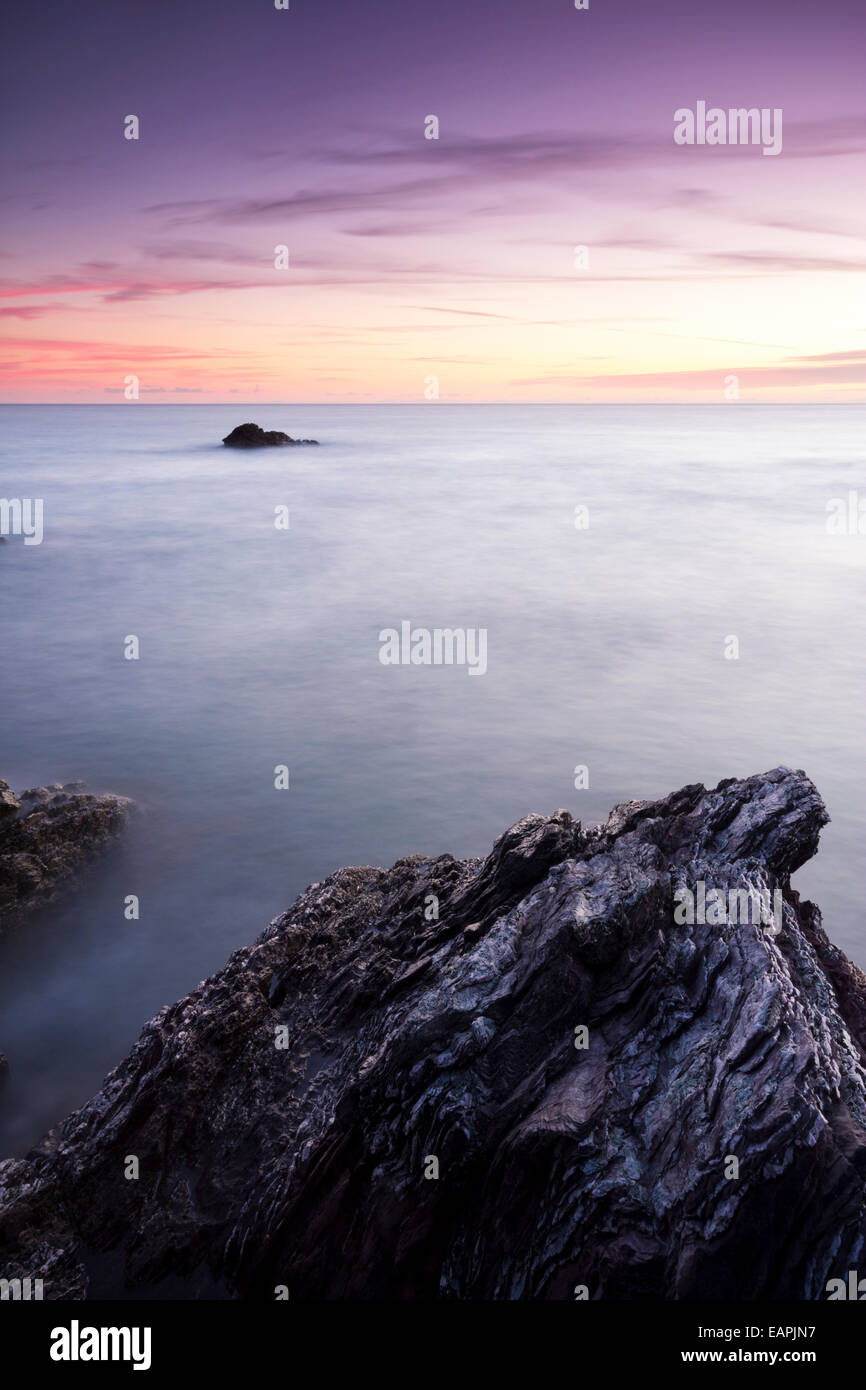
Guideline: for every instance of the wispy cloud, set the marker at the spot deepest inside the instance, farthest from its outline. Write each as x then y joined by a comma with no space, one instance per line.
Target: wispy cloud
465,313
28,311
36,356
750,377
853,355
189,249
773,262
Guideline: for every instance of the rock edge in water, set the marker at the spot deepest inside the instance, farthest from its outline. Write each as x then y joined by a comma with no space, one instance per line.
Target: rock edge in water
46,835
290,1116
251,436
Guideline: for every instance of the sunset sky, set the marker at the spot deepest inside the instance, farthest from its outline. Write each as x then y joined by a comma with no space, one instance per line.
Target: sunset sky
411,257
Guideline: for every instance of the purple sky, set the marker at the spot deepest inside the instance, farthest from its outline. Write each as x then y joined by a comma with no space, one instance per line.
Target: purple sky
413,259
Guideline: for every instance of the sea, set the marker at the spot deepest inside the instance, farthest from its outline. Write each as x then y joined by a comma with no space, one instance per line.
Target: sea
667,594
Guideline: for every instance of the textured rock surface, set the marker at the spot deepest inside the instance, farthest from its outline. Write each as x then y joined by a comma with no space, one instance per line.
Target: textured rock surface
254,437
46,834
454,1038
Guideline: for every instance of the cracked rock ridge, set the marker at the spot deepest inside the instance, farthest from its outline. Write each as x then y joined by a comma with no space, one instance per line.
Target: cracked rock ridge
429,1011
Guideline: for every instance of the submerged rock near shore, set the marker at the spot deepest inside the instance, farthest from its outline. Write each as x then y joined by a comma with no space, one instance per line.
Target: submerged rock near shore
503,1078
46,834
254,437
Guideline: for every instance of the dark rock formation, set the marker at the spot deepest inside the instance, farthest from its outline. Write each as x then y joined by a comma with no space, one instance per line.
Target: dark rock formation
429,1013
46,834
254,437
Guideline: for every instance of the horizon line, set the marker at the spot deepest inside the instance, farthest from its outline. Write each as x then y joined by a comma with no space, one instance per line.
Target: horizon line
393,405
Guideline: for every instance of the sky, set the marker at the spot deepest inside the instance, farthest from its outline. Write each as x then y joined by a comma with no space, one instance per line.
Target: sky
422,268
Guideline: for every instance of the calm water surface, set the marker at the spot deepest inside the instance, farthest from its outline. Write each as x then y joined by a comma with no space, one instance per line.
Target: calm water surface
260,647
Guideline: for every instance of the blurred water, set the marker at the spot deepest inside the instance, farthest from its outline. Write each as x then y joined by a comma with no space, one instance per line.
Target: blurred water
259,647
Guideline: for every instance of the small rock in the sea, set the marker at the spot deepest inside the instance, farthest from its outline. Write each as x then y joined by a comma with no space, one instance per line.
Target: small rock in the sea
254,437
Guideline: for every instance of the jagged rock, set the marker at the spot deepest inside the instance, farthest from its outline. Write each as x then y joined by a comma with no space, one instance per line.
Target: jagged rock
9,803
430,1012
46,833
254,437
